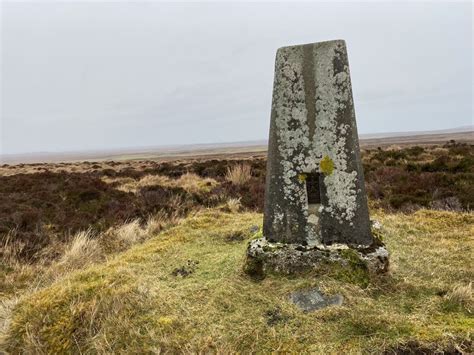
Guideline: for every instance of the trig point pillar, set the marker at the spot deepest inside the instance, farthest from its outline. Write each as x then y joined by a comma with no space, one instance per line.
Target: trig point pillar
315,184
315,196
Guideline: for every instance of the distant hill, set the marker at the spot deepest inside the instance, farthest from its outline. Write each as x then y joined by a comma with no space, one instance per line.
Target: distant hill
215,150
463,129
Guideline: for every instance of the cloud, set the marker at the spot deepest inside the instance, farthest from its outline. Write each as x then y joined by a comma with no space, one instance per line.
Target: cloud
88,75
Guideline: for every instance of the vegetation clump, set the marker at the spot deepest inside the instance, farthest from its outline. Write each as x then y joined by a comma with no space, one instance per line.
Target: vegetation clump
239,174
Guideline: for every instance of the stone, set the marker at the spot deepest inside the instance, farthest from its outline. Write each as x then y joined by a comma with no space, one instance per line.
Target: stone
315,214
265,257
313,299
254,229
315,191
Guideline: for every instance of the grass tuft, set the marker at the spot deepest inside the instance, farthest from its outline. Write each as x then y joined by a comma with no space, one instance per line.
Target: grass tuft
460,297
189,182
239,174
82,250
234,205
10,250
130,233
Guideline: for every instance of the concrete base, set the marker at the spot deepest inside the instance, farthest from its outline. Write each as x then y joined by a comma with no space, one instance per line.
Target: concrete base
265,257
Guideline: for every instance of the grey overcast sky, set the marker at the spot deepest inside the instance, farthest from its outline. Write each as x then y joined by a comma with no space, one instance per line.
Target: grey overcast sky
103,75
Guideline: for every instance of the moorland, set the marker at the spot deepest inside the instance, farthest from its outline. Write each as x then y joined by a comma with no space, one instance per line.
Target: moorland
146,256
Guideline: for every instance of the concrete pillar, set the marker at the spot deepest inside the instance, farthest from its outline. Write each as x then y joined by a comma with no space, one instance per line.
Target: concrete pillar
315,190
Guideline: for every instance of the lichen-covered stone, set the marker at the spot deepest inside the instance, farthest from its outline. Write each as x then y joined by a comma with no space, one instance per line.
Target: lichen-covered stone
313,299
313,130
265,257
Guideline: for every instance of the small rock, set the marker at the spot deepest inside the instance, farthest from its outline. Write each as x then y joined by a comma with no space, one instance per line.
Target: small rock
313,299
254,229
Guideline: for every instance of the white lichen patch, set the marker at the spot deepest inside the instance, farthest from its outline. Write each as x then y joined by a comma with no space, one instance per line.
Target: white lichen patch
295,258
333,93
291,121
293,137
300,153
313,219
376,225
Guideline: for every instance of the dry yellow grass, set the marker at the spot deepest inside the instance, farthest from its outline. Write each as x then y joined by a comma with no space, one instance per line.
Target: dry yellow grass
18,277
130,233
194,183
133,303
462,296
10,249
190,182
82,250
239,174
158,222
234,205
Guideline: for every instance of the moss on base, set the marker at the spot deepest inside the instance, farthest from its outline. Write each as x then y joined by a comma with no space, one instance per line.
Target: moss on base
340,261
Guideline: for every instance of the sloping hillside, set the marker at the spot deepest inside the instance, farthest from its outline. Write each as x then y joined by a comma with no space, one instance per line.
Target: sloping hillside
183,290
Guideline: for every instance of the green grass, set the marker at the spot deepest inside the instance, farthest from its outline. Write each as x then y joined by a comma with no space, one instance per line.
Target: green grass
134,304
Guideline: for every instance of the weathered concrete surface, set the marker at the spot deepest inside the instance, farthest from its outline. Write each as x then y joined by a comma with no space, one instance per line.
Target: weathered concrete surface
313,299
265,257
313,134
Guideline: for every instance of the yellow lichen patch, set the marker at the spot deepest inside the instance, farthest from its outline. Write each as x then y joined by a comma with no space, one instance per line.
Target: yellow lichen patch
302,177
326,165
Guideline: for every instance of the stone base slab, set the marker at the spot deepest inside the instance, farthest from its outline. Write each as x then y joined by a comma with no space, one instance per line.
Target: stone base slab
268,257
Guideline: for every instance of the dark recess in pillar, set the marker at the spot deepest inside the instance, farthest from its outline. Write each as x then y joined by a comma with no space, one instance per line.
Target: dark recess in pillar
313,181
